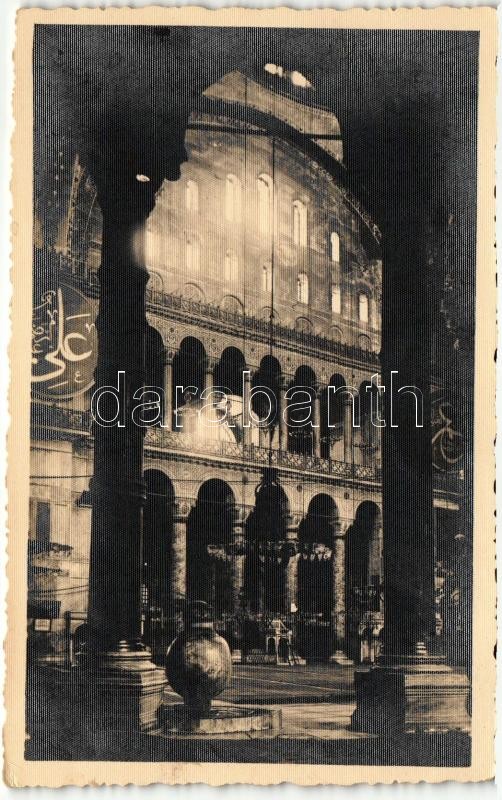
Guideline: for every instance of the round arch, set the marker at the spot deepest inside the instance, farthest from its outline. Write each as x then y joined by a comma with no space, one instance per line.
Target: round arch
209,530
188,371
363,569
157,541
230,302
228,371
265,531
316,539
192,291
267,377
332,418
301,394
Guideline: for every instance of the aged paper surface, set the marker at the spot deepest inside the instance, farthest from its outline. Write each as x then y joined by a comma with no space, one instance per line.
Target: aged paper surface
250,491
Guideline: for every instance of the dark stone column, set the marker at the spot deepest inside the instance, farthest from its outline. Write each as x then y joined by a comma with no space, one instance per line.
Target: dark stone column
412,688
118,490
347,428
283,426
339,577
246,429
126,687
178,554
291,568
316,421
168,391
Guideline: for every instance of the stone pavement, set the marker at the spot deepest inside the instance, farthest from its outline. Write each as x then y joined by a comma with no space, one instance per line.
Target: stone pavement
272,685
315,728
301,721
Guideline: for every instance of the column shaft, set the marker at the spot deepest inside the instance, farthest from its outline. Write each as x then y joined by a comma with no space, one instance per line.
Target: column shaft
262,436
246,413
291,576
347,429
283,425
178,559
208,378
238,561
316,426
168,394
118,490
339,591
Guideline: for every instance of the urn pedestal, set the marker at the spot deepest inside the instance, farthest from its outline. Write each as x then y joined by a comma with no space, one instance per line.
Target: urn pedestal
199,668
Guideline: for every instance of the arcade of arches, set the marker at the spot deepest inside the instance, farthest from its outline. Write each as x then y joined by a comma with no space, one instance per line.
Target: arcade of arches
338,425
262,561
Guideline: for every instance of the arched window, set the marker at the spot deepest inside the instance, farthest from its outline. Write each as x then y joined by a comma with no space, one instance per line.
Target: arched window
363,307
192,255
191,196
335,247
299,224
336,299
302,288
231,267
232,199
266,278
264,186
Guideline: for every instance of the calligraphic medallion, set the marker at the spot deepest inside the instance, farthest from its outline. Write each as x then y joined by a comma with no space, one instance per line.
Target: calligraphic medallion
447,440
63,343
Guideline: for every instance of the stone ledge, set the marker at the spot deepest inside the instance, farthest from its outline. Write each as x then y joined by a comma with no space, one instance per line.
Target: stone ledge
176,721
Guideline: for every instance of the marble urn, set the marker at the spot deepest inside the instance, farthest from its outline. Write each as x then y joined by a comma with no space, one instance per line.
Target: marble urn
198,662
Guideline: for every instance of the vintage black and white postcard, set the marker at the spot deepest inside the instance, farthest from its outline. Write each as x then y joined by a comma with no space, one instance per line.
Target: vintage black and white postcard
251,509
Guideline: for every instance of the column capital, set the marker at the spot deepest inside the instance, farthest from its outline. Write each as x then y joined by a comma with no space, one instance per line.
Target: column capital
168,357
182,507
341,529
210,363
293,523
284,380
240,514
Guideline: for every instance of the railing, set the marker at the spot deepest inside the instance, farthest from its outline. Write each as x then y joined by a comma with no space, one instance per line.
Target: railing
52,417
253,325
59,418
169,440
48,549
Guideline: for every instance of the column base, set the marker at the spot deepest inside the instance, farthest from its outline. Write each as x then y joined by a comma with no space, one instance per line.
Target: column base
340,658
411,696
123,692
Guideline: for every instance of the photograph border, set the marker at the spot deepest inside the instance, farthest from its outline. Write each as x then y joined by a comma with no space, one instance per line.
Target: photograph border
17,770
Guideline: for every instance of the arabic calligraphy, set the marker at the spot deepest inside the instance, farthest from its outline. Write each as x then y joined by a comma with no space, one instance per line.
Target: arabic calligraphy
63,343
447,441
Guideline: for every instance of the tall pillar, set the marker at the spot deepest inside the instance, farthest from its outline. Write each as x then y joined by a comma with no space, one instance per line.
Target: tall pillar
121,677
246,411
238,565
262,435
209,366
412,687
178,554
347,428
238,558
283,425
339,656
291,576
316,423
168,392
